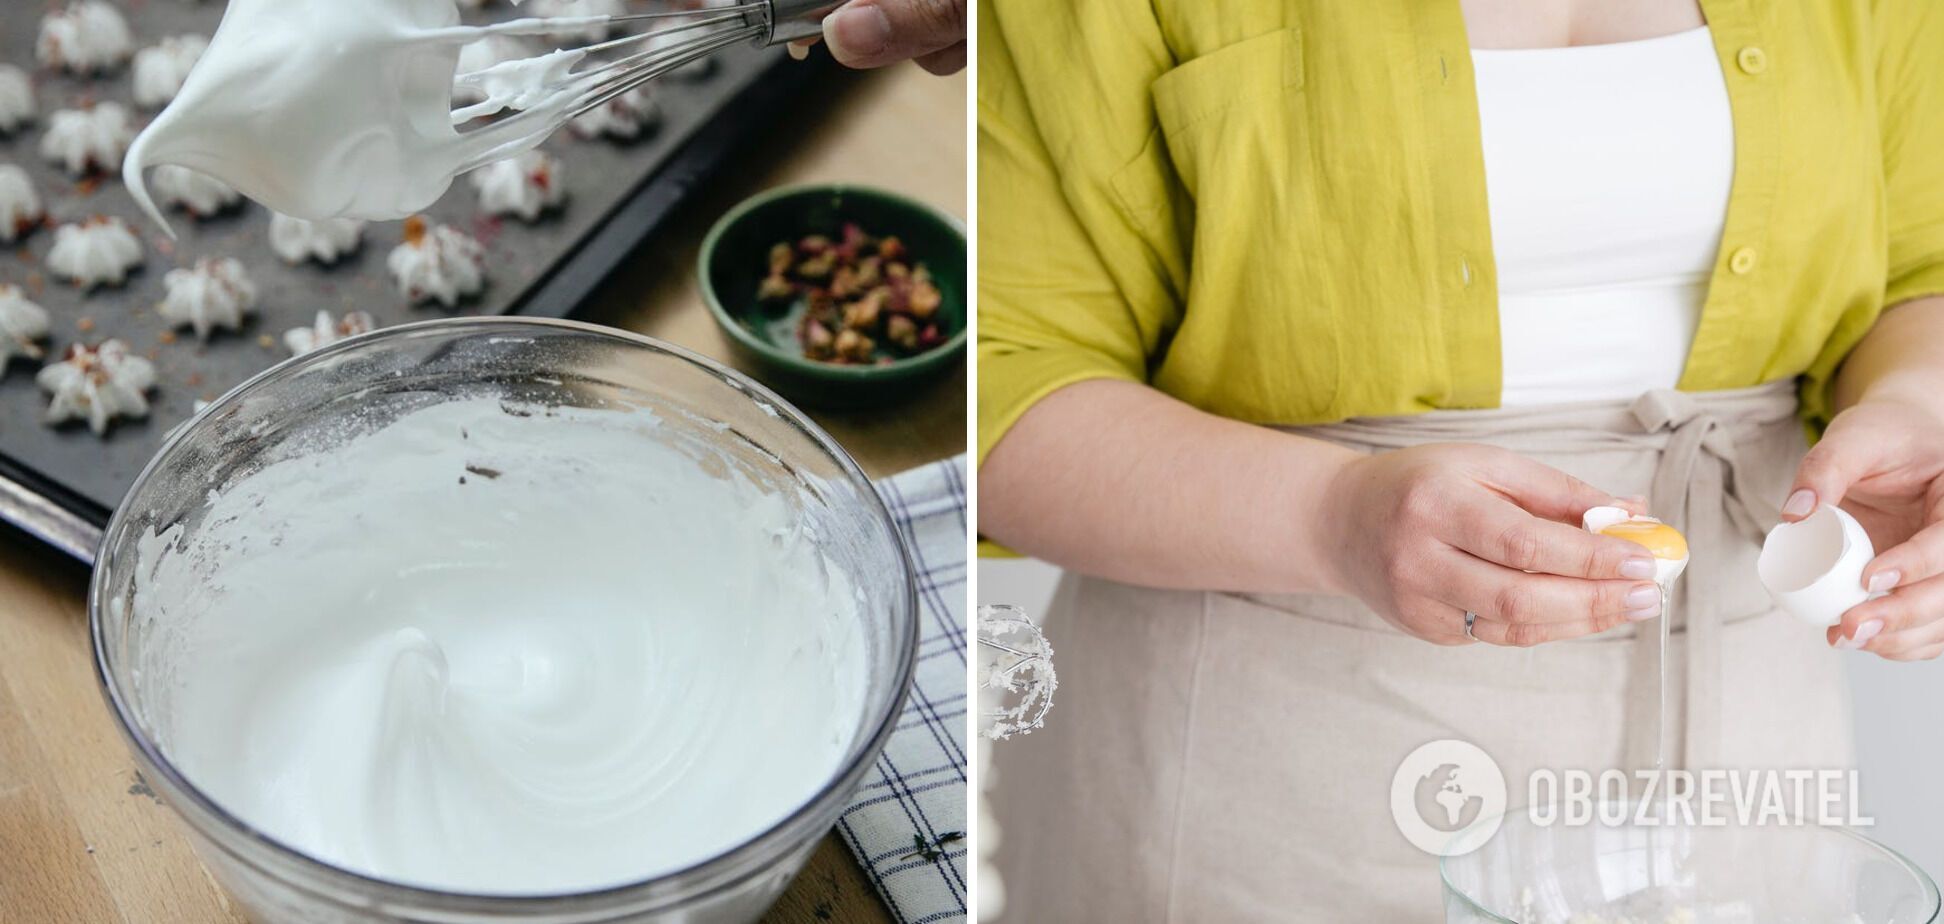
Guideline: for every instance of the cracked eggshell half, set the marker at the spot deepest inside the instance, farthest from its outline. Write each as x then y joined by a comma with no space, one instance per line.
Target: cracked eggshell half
1814,568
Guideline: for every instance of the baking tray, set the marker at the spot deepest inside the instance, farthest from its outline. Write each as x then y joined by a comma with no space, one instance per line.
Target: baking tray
60,485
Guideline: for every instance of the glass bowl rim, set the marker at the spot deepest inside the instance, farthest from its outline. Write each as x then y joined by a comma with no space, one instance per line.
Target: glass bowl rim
752,857
1493,917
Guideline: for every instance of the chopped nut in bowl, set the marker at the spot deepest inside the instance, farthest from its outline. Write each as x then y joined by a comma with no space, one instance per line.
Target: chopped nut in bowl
840,296
864,300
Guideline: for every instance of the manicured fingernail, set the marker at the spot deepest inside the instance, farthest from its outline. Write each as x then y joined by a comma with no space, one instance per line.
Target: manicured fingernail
1638,568
1642,596
1883,581
1801,504
1643,614
799,52
1864,633
860,31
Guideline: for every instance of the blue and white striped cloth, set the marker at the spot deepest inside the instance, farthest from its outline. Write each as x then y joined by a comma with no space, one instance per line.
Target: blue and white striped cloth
907,824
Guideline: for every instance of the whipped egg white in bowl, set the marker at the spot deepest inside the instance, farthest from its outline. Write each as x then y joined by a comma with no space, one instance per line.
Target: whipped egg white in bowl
503,620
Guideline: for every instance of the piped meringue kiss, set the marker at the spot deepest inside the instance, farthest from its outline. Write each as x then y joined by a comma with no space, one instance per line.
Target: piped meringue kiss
23,324
343,108
17,104
297,240
20,205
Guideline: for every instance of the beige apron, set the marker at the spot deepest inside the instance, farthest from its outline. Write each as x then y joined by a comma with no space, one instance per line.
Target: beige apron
1223,758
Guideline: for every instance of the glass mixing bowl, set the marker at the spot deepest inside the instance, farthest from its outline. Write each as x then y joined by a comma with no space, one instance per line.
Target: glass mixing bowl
306,403
1632,874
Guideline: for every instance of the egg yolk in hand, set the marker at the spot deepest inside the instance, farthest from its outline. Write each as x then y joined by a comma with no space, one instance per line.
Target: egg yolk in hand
1664,541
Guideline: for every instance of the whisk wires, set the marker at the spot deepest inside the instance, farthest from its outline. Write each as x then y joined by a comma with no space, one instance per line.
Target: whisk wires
564,85
716,29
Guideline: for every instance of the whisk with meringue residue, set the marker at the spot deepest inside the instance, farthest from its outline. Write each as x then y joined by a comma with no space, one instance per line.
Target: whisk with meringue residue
669,40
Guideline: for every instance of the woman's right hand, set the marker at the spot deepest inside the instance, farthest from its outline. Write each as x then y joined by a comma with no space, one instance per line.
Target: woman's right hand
875,33
1422,535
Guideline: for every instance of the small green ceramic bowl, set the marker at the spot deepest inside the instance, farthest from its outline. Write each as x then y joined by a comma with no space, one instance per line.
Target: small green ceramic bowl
736,255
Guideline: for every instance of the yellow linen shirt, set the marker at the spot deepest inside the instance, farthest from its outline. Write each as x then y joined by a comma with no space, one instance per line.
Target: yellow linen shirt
1276,211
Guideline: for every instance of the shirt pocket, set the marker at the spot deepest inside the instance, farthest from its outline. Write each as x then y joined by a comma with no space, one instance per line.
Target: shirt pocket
1244,98
1261,333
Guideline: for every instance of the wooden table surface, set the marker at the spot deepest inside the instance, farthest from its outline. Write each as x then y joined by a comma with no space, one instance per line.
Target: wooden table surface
82,841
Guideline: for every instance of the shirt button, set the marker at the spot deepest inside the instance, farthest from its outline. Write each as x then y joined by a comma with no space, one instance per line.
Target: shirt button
1742,262
1753,60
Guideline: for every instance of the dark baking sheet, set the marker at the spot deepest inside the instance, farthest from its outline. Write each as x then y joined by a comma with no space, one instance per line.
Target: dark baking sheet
61,484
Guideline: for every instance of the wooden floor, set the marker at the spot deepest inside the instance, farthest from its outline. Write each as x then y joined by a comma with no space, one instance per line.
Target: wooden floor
81,838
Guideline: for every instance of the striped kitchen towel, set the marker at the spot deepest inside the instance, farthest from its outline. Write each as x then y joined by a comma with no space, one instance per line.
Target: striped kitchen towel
907,824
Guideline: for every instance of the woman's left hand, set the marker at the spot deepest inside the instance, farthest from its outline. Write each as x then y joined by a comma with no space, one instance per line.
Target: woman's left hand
1882,460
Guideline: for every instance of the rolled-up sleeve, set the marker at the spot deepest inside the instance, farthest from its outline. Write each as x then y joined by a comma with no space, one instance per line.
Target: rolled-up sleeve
1910,84
1071,286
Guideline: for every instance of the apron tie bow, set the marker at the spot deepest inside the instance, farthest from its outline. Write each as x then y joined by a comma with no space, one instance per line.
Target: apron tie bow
1699,472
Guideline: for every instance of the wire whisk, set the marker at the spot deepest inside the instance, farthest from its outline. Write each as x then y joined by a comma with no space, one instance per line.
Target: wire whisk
670,39
1015,671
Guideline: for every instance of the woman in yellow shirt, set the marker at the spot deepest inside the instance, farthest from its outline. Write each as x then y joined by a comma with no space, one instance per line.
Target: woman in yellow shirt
1309,329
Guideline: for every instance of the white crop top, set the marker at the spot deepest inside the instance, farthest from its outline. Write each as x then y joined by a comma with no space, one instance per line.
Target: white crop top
1608,169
